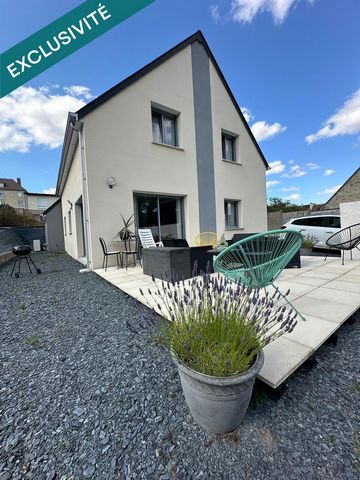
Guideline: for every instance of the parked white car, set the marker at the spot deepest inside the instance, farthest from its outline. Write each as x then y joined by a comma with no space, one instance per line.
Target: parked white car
319,227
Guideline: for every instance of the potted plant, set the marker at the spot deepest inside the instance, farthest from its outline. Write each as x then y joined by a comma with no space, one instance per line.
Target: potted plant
125,233
215,333
307,244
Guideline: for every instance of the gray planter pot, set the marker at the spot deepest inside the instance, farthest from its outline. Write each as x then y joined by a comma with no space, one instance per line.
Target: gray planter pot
218,404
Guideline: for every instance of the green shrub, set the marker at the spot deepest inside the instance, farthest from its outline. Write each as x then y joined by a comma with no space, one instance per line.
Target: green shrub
309,241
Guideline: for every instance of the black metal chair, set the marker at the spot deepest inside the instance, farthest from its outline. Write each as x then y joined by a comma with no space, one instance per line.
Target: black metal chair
107,254
345,239
132,248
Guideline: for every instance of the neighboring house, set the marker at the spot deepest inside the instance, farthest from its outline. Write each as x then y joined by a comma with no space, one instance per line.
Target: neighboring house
13,194
349,192
37,203
54,231
170,145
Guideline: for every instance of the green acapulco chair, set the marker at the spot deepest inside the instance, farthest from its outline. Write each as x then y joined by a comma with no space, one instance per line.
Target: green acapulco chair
258,260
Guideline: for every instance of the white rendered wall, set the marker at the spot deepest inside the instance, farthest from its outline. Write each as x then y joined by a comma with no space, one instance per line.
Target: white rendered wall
72,192
118,139
350,214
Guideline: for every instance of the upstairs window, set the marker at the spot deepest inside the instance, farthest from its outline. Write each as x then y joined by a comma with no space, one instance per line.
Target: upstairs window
228,147
231,213
42,202
164,127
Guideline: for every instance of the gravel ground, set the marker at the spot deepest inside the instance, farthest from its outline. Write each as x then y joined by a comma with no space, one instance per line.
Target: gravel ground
82,397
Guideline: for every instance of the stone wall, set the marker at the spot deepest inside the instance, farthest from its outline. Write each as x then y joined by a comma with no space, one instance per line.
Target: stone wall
349,192
277,219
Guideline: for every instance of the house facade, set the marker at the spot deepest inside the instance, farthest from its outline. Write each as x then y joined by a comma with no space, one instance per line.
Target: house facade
13,194
37,203
348,192
168,145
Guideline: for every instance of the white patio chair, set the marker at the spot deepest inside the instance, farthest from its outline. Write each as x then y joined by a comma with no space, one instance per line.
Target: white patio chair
147,239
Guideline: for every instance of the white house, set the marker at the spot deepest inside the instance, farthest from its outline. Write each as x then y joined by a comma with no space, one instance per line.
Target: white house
170,145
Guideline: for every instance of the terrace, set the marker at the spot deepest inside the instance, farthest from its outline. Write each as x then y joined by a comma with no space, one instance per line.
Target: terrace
325,292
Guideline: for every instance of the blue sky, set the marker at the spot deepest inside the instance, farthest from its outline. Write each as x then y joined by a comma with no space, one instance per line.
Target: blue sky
293,66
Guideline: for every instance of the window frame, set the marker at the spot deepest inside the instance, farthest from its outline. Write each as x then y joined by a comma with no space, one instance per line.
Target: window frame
225,135
70,222
164,113
237,222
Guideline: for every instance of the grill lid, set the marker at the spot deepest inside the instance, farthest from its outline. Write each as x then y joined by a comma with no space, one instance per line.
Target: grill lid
21,249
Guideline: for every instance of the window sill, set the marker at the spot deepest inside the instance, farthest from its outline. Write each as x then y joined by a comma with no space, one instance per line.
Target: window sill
231,229
230,161
168,146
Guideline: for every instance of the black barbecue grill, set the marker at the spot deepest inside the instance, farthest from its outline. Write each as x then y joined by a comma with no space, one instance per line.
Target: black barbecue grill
22,252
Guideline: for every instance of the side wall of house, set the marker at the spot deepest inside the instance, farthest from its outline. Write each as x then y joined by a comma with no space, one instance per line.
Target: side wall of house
54,229
71,194
119,143
243,180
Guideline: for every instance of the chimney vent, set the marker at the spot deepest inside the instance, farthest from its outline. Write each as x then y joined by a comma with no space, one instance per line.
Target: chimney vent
18,180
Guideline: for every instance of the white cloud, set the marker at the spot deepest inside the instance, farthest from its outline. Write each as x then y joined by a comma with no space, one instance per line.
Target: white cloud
215,13
276,167
79,91
346,121
329,172
330,191
247,114
291,162
263,130
289,189
30,116
244,11
272,183
49,191
295,172
293,197
313,166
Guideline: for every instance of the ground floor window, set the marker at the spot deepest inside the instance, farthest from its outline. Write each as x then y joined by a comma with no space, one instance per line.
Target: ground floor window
231,213
162,214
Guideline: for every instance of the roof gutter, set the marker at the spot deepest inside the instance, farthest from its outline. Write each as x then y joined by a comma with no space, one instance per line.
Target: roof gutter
69,146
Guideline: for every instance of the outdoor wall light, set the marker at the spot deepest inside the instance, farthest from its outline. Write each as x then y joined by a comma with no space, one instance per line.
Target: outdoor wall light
111,181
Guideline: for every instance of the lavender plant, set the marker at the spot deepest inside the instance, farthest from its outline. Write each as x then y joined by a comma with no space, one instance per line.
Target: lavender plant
217,326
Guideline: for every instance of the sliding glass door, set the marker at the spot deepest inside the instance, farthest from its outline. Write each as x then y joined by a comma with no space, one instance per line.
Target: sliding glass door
162,214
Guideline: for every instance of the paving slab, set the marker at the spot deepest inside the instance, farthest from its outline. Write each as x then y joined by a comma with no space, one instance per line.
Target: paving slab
325,292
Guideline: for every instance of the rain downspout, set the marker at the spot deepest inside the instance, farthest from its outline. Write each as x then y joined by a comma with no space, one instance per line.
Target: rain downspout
78,127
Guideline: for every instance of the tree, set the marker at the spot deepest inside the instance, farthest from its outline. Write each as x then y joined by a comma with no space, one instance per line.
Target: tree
9,217
276,204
